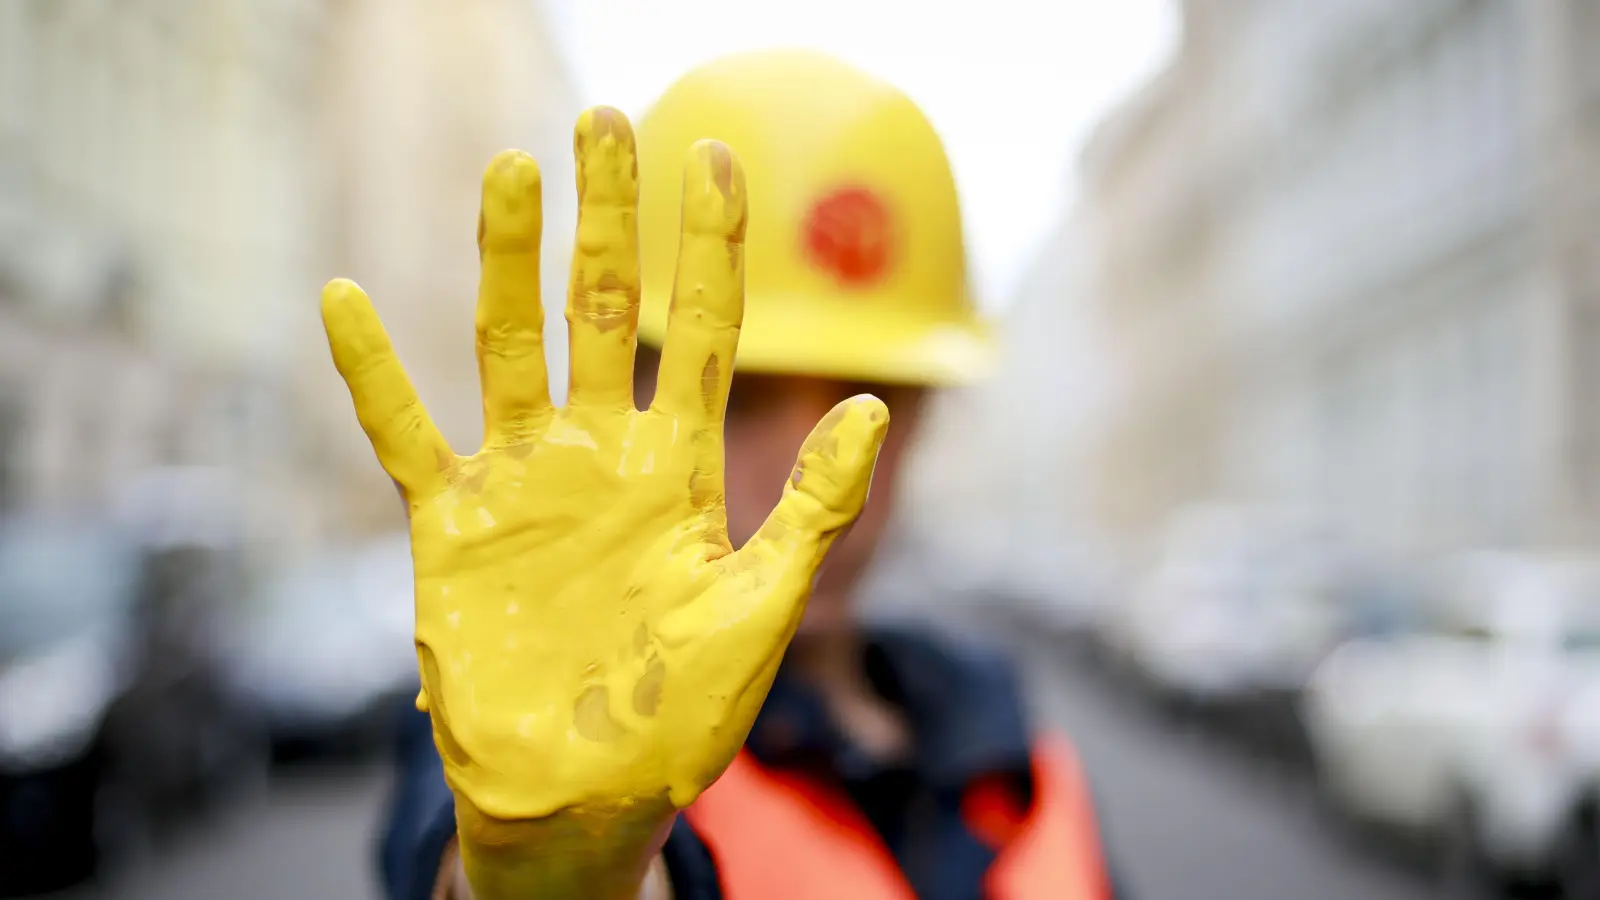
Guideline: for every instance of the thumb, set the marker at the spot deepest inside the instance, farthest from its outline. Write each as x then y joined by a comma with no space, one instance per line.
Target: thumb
827,489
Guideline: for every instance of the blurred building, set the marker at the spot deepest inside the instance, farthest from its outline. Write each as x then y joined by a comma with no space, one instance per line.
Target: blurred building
176,183
418,96
154,229
992,503
1344,258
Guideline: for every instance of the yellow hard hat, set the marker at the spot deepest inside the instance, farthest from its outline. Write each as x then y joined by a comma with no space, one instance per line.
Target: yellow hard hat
855,260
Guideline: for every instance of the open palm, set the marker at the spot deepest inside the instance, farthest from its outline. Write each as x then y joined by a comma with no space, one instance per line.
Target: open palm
587,635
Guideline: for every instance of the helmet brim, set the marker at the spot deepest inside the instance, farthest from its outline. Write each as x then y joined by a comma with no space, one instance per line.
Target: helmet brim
795,338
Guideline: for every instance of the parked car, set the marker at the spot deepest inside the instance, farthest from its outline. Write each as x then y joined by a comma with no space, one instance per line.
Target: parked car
326,649
1236,612
1462,737
1178,624
111,723
1057,588
1577,860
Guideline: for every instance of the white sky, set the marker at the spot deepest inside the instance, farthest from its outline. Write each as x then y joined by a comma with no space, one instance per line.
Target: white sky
1012,85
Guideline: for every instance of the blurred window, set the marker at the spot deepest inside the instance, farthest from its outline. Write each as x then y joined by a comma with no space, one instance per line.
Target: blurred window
56,581
289,600
1581,631
1380,607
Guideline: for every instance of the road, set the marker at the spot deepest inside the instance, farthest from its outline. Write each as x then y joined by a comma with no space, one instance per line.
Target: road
1191,817
1188,819
311,838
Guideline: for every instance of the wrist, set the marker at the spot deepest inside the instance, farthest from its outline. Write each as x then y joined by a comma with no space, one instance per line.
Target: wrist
451,881
593,854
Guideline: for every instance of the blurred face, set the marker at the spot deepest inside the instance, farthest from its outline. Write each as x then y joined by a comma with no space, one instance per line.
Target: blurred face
768,418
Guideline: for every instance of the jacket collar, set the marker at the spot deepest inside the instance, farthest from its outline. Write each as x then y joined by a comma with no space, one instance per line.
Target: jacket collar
963,705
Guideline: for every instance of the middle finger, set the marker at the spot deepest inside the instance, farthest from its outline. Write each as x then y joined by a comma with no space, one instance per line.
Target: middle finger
603,295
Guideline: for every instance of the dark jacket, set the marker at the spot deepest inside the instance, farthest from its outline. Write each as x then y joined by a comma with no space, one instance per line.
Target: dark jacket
964,708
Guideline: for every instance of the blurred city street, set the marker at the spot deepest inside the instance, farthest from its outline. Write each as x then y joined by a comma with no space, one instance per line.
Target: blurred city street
1241,358
1188,820
312,836
1190,817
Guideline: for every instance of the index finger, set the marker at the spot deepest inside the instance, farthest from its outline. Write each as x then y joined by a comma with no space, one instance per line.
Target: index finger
603,293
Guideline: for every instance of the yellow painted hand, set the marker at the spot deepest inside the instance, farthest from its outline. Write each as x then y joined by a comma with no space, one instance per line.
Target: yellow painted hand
588,638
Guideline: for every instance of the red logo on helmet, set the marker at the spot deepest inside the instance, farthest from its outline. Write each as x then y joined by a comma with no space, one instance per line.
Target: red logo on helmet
850,234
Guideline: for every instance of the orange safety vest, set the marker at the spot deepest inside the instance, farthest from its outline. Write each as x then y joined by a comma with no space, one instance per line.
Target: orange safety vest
779,836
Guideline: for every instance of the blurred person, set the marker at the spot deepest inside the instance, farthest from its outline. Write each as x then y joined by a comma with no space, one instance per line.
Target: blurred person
594,650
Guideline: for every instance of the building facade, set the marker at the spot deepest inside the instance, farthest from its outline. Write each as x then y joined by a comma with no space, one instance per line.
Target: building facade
1342,254
153,158
991,504
419,97
177,181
